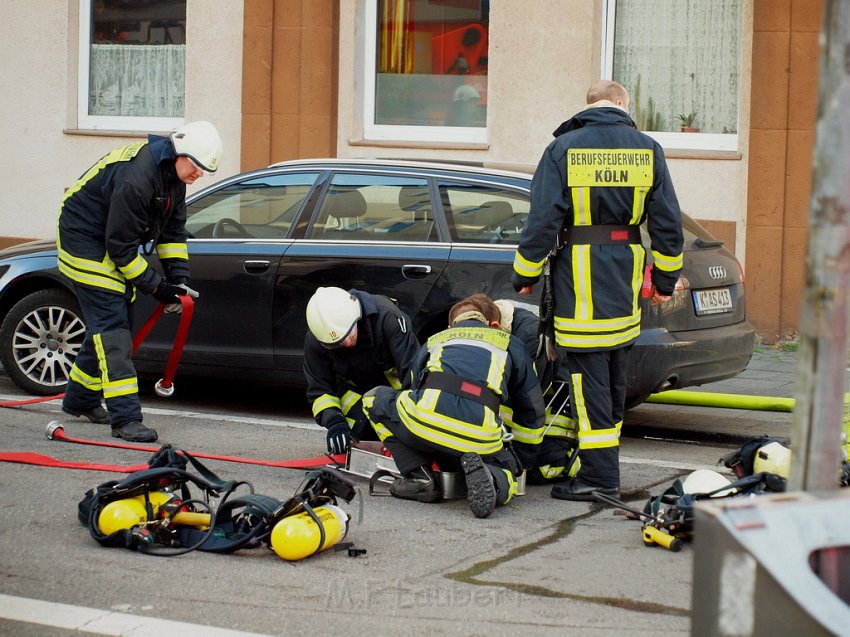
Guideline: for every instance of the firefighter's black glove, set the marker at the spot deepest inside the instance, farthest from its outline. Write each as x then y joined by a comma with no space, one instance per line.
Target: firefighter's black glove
167,293
339,438
518,282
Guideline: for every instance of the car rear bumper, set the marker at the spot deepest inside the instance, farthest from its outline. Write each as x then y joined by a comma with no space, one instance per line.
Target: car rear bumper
688,358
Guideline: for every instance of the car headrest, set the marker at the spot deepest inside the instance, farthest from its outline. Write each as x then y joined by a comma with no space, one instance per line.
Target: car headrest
489,214
414,198
344,204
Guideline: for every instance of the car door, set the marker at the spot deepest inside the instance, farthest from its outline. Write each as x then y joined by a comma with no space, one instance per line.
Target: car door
238,233
371,230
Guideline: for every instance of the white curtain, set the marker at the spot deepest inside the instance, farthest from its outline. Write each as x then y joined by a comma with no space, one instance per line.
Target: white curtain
683,55
137,80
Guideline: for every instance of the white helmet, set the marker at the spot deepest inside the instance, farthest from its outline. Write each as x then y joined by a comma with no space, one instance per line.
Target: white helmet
773,458
331,315
200,142
706,481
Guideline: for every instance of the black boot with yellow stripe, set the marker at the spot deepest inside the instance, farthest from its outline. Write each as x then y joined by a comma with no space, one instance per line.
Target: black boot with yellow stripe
487,486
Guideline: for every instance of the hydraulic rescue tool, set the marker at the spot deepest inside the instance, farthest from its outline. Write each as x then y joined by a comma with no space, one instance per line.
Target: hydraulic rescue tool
659,528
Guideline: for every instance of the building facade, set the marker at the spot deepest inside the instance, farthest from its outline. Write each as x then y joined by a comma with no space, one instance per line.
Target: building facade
728,87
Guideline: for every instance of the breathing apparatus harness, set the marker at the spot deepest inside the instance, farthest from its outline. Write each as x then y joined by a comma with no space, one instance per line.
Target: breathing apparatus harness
175,522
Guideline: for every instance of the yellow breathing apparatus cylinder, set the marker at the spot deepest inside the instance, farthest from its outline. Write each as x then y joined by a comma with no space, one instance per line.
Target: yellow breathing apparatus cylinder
297,536
127,513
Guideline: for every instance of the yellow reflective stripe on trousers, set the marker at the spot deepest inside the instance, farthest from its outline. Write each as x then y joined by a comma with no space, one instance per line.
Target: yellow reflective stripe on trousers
325,401
526,268
172,251
667,263
89,382
122,387
600,438
380,429
134,268
112,388
423,422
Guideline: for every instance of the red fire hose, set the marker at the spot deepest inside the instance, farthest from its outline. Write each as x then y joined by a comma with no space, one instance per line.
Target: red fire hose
55,431
165,386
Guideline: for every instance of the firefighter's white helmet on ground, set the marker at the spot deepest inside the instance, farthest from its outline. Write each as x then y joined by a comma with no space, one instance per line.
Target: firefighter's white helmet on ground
704,481
773,457
332,314
200,142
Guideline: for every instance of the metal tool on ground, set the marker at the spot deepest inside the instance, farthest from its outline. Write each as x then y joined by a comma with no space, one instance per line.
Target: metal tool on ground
657,529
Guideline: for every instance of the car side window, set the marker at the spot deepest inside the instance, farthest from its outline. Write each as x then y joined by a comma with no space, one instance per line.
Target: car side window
374,207
259,208
476,213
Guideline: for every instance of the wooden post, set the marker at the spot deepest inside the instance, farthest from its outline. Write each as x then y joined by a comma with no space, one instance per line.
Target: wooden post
823,355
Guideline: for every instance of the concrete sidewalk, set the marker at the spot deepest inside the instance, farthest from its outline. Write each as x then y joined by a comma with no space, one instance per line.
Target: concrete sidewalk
771,372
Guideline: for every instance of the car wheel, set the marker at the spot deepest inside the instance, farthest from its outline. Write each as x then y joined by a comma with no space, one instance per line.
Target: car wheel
39,341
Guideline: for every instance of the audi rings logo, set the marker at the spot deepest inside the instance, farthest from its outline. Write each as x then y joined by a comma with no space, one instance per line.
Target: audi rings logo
717,272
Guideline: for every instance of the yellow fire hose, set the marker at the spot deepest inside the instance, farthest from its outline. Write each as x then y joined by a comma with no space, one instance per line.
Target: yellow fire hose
730,401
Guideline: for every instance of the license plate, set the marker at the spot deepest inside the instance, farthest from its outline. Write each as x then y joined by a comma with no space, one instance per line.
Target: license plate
713,301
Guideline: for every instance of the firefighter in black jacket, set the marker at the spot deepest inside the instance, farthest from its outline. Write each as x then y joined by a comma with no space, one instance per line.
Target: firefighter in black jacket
132,197
356,341
594,186
450,415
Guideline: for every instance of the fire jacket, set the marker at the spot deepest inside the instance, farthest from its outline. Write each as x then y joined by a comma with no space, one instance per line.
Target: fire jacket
384,353
488,361
130,197
601,173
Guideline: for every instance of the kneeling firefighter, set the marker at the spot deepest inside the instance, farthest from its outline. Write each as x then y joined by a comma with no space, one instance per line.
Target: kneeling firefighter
450,415
356,341
134,196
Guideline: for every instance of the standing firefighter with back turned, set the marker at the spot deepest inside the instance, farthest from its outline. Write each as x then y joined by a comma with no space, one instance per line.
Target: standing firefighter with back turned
134,196
594,186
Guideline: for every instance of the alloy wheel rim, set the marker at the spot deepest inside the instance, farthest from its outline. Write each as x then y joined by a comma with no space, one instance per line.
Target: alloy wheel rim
46,343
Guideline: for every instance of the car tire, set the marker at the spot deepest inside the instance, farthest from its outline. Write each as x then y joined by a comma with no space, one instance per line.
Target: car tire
39,340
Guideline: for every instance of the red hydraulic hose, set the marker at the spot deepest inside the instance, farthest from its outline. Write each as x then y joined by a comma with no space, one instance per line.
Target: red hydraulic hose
165,386
55,431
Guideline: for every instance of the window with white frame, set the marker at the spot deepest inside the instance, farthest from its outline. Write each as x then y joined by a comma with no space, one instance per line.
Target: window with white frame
425,74
132,64
680,60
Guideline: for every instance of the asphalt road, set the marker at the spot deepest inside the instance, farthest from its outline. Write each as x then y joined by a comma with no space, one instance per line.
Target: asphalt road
537,566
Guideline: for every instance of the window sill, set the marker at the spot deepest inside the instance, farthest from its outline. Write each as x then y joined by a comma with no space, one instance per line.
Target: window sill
690,153
91,132
390,143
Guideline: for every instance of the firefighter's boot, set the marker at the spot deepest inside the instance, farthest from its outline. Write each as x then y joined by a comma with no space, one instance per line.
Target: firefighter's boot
419,485
134,431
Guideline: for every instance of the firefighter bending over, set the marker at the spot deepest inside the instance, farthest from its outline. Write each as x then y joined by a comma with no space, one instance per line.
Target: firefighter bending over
134,196
356,341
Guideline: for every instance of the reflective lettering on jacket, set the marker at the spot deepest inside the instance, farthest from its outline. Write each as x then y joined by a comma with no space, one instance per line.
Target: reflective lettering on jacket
600,171
453,421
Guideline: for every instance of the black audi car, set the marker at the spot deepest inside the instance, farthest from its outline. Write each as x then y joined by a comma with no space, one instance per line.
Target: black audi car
426,234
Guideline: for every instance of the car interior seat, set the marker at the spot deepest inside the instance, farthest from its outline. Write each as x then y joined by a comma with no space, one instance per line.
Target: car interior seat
346,207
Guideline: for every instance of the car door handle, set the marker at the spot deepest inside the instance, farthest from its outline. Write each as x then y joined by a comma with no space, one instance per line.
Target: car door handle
256,267
415,271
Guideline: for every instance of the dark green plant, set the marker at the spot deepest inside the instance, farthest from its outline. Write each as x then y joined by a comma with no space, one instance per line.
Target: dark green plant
687,120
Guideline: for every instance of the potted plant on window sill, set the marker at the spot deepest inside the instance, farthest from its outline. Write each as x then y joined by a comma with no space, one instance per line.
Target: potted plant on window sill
688,122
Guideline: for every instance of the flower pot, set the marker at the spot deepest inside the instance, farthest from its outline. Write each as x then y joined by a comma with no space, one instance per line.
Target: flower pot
686,129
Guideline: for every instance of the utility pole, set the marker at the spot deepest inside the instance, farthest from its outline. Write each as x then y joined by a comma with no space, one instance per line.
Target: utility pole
823,355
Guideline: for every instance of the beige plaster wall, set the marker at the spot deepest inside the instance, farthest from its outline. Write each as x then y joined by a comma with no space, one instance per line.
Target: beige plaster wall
543,56
42,155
